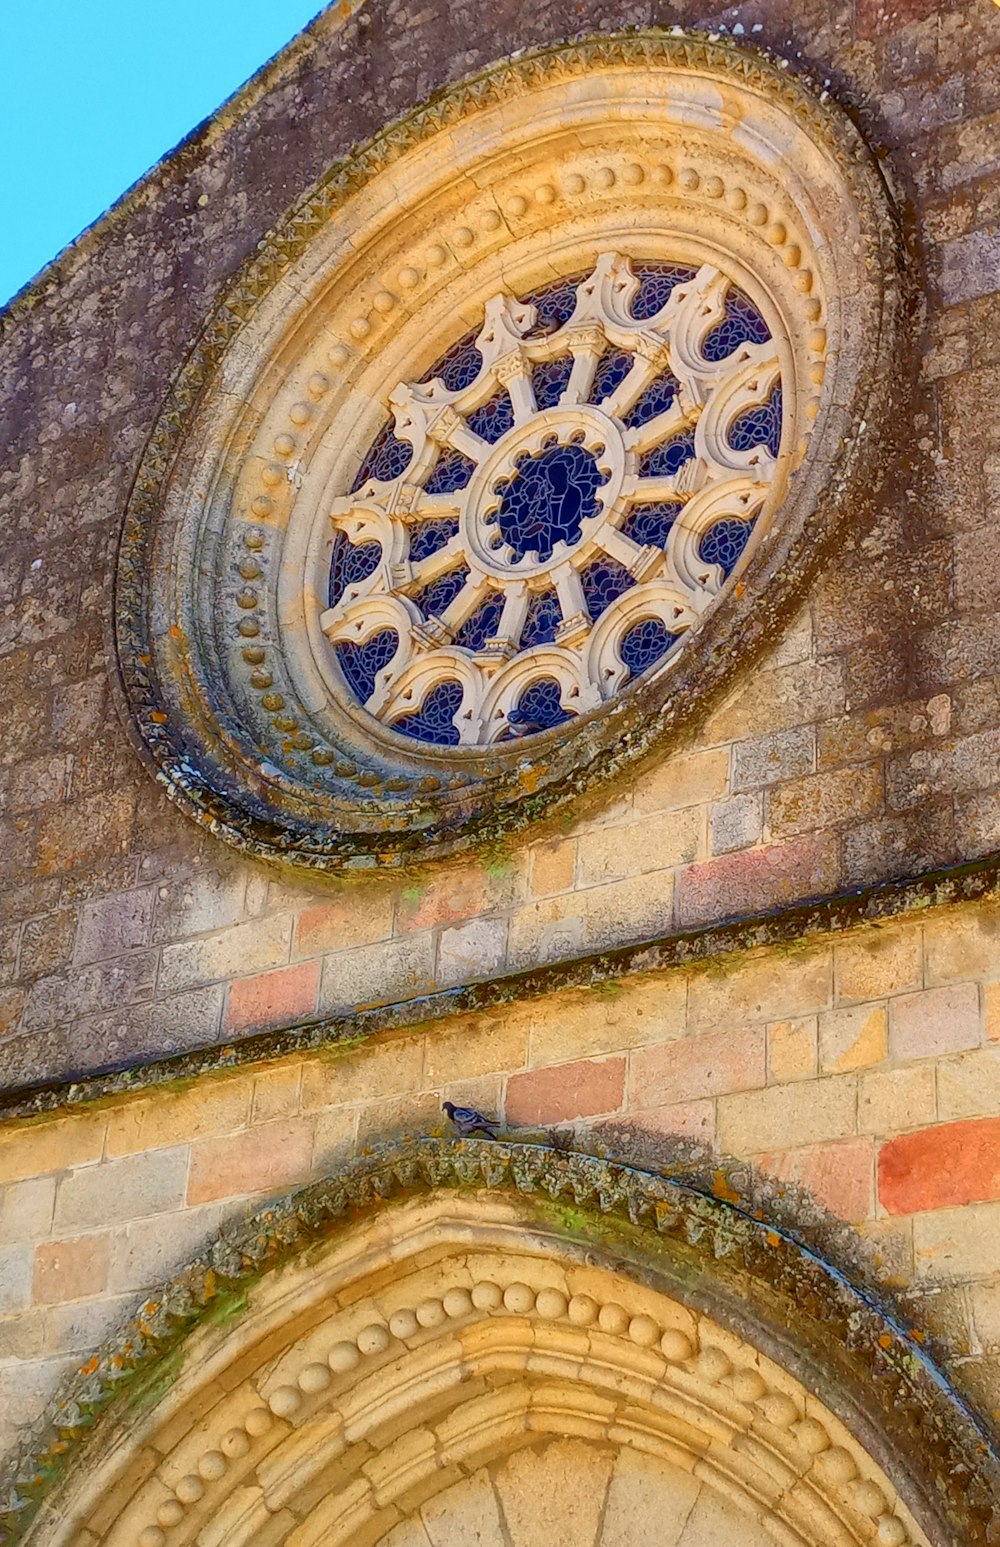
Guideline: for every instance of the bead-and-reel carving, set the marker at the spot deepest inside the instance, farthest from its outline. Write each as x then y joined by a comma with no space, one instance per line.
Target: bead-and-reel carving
599,451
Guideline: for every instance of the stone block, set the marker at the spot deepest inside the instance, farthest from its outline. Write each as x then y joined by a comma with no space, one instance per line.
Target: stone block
893,1100
214,1105
418,1113
378,974
336,1137
553,866
83,1325
968,1085
644,1489
147,1252
588,1088
876,963
38,782
773,759
275,998
111,925
777,700
471,951
357,916
710,1064
556,1497
607,1018
69,996
267,1158
456,893
47,943
26,1210
962,943
85,831
757,880
71,1270
786,1116
934,1021
853,1037
684,1120
15,1279
476,1045
119,1190
637,908
956,1243
51,1145
658,842
691,779
736,823
942,1167
383,1066
198,904
751,992
277,1092
825,799
964,763
840,1176
248,947
792,1049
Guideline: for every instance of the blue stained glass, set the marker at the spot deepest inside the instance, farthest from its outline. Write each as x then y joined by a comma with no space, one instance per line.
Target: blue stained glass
555,305
549,380
538,708
548,497
459,365
649,525
758,426
742,324
643,645
385,458
351,563
656,399
663,461
439,595
612,368
433,721
361,663
451,471
428,537
494,418
603,582
482,625
724,542
542,619
657,281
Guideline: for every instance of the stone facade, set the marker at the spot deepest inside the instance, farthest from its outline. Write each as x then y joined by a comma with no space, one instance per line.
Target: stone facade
765,963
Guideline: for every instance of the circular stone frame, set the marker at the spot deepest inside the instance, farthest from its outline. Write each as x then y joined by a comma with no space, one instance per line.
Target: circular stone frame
661,146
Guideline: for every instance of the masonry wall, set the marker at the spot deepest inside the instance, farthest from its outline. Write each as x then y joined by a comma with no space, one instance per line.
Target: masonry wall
867,747
860,1076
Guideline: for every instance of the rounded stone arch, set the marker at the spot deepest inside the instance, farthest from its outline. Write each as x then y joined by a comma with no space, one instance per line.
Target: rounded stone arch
539,1346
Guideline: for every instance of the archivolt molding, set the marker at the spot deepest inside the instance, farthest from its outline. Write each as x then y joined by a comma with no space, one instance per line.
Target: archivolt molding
441,1305
652,147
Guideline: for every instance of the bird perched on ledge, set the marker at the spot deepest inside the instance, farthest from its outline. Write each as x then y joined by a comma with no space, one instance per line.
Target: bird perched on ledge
467,1121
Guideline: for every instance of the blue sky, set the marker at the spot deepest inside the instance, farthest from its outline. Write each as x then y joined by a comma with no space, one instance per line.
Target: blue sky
94,93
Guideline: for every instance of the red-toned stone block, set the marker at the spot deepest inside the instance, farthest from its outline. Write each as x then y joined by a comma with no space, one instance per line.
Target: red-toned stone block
264,1158
755,879
71,1270
566,1091
273,998
840,1176
695,1067
449,897
941,1167
878,18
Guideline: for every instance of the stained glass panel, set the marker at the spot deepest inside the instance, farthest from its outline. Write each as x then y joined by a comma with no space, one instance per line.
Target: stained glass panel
644,644
546,500
543,617
538,708
428,537
350,564
758,426
663,461
549,380
603,582
649,525
613,366
656,399
434,720
724,543
385,458
494,418
657,282
482,625
439,595
742,324
361,663
450,472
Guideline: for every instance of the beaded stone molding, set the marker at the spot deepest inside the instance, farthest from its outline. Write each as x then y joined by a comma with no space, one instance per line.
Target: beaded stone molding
440,1304
517,438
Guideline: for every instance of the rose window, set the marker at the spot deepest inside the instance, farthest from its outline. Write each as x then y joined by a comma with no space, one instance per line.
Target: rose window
557,502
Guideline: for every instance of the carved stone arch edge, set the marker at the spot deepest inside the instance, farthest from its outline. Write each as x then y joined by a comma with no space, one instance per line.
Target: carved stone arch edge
274,823
748,1274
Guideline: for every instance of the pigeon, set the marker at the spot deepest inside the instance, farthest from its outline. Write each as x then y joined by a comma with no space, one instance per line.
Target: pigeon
468,1121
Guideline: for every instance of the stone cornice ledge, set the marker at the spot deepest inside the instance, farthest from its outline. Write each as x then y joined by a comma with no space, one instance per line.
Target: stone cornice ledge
809,920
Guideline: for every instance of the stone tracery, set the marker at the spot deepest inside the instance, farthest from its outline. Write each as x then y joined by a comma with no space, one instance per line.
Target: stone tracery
599,452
